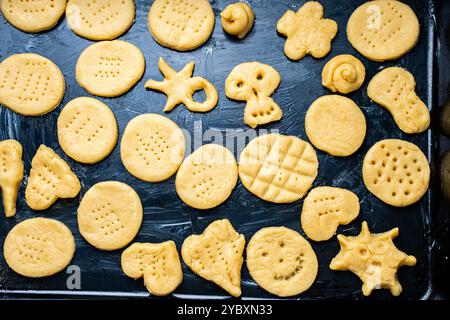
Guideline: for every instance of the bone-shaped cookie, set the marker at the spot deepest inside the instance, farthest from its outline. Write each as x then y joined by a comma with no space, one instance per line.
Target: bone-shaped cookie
11,174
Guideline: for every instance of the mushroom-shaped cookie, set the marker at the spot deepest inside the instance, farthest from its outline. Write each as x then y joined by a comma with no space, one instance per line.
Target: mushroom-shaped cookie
237,19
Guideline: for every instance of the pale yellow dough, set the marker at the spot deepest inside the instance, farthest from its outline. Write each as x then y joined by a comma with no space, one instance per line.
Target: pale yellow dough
343,73
39,247
237,19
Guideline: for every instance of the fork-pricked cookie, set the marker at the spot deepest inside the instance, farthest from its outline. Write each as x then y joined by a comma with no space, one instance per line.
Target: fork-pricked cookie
237,19
11,174
343,73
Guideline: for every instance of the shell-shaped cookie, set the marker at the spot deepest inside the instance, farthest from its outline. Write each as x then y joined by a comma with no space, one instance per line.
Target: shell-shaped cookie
343,73
237,19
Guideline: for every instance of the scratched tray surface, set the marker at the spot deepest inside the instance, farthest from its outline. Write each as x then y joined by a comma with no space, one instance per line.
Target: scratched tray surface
165,216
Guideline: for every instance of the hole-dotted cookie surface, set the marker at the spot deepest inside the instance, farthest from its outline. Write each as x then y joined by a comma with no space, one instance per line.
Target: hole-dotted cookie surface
237,19
39,247
30,84
343,73
281,261
396,171
110,68
278,168
110,215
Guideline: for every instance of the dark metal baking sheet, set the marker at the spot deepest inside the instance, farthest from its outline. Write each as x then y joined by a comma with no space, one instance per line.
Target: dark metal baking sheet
166,217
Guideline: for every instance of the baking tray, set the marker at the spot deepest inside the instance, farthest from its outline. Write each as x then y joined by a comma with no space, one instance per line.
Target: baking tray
165,216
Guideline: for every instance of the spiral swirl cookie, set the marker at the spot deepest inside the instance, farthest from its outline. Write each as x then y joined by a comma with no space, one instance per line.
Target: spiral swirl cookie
343,73
237,19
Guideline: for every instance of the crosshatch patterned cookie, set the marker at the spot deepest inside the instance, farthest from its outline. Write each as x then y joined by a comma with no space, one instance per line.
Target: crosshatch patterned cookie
110,215
325,208
383,30
396,171
110,68
278,168
152,147
343,73
374,258
158,263
30,84
237,19
100,19
11,174
281,261
87,130
394,89
39,247
50,178
216,255
181,24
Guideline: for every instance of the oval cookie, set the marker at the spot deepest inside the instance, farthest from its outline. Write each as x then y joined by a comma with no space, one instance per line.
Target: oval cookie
110,215
207,177
396,171
39,247
343,73
281,261
152,147
87,130
30,84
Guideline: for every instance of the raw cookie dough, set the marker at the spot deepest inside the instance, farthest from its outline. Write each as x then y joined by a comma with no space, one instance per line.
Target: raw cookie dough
180,87
343,73
158,263
30,84
39,247
110,68
101,19
152,147
383,30
181,25
50,178
278,168
307,31
237,19
110,215
207,177
33,16
394,89
325,208
216,255
281,261
336,125
374,258
87,130
396,172
254,83
11,174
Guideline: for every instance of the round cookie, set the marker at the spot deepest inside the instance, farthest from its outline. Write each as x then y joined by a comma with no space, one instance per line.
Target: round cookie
101,19
33,16
87,130
343,73
30,84
396,171
237,19
383,30
152,147
445,175
110,215
110,68
336,125
207,177
181,24
281,261
39,247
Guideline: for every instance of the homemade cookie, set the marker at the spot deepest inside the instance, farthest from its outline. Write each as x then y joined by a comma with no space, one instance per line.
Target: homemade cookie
374,258
281,261
100,19
278,168
237,19
87,130
39,247
336,125
394,89
181,24
444,118
181,86
11,174
50,178
110,68
30,84
216,255
383,30
396,172
152,147
254,83
444,168
158,263
325,208
343,73
307,31
110,215
207,177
